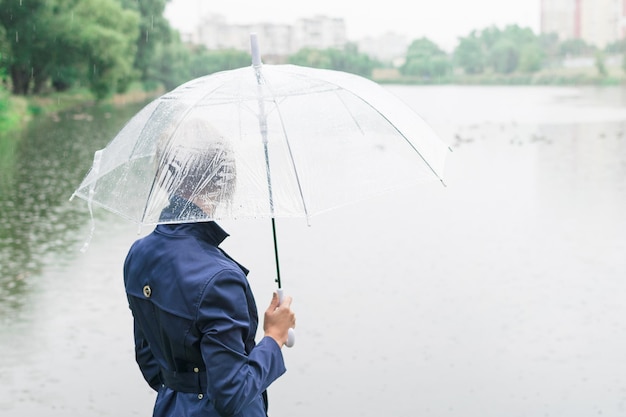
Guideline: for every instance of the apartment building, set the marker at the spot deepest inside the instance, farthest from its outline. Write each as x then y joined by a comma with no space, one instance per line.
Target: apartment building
597,22
318,32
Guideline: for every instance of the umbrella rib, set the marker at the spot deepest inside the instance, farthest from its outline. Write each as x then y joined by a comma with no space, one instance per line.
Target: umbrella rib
344,88
399,131
293,162
356,122
180,120
416,151
263,81
156,177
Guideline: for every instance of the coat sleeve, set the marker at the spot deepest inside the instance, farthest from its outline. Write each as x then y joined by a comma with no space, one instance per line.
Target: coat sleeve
234,379
148,364
145,359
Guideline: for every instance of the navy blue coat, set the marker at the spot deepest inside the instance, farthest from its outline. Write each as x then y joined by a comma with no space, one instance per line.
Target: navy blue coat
195,321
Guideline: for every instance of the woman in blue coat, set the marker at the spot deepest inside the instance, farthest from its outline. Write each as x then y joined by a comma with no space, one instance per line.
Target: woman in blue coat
195,317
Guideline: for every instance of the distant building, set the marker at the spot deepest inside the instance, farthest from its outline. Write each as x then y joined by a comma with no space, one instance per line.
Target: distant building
389,47
597,22
319,32
275,40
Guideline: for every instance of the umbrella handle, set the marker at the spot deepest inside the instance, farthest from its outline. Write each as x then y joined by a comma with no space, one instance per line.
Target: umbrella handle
291,334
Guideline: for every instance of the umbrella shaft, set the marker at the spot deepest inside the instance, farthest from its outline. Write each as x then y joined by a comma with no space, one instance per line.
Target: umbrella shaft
276,253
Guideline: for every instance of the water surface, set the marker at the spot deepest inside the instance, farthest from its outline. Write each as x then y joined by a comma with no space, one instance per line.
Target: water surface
500,294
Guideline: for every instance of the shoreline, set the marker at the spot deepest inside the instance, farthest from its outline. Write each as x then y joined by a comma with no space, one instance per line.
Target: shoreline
20,110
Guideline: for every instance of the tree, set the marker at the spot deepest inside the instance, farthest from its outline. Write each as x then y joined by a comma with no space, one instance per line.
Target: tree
470,54
205,61
348,59
426,60
310,57
575,47
530,58
108,35
600,64
617,47
549,45
171,63
69,41
18,21
504,56
502,50
154,31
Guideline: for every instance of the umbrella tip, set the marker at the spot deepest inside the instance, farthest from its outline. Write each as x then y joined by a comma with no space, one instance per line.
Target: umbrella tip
254,48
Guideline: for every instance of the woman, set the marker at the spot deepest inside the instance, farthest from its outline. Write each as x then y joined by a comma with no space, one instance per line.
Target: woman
195,317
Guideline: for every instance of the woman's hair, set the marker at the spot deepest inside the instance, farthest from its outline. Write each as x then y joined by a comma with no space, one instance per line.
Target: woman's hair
196,161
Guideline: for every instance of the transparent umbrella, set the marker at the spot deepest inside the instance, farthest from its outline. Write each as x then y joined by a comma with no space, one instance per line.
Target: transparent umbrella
263,141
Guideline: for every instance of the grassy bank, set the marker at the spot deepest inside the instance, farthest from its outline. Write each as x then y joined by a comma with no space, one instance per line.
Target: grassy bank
16,111
57,102
553,77
13,113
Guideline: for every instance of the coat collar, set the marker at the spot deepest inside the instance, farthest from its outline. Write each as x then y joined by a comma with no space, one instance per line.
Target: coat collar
179,207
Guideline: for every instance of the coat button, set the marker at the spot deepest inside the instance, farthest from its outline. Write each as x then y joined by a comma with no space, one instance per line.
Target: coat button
147,291
196,370
200,396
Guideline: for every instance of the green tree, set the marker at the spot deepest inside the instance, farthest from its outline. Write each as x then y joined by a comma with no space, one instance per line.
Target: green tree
348,59
601,64
19,22
531,57
310,57
617,47
504,56
205,61
108,35
171,63
519,35
69,41
504,51
470,54
549,45
426,60
575,47
154,32
490,36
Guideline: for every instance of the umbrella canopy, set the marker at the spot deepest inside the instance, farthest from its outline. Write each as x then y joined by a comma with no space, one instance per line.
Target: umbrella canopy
263,141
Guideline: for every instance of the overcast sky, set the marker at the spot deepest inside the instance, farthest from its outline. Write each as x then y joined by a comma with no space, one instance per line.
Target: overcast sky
442,21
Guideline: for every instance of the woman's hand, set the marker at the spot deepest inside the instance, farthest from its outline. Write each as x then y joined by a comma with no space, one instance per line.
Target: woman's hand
279,319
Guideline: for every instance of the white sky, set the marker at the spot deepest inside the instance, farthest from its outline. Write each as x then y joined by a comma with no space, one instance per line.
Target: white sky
442,21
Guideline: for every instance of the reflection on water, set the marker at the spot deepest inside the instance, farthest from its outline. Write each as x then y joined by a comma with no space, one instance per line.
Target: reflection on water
38,174
501,294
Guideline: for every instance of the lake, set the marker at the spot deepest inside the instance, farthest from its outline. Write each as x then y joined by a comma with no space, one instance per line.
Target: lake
500,294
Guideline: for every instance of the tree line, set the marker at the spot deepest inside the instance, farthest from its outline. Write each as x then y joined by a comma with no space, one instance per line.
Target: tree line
105,45
513,49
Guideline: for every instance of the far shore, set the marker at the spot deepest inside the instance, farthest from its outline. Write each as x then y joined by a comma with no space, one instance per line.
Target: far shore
22,109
